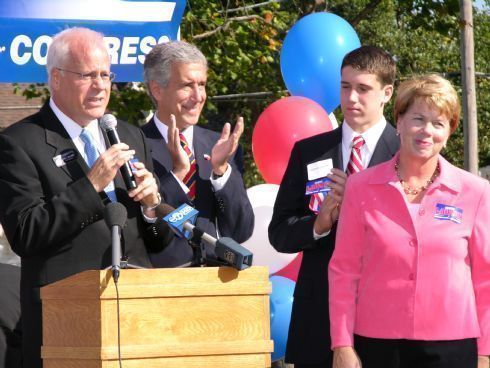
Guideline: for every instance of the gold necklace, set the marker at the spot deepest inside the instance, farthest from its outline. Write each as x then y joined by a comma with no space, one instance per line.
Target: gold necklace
414,191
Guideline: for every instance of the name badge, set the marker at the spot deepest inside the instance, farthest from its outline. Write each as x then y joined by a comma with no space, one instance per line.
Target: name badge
451,213
319,169
318,186
65,157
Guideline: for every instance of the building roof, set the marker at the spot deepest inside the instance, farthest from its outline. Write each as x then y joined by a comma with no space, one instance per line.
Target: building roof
14,107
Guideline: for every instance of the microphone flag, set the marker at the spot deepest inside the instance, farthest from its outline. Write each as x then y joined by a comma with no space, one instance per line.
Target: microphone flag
181,215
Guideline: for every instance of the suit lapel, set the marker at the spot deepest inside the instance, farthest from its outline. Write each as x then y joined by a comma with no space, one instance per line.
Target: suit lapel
334,142
337,150
202,145
159,148
386,147
56,136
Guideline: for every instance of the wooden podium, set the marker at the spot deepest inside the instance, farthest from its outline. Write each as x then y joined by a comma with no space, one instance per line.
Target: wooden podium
172,318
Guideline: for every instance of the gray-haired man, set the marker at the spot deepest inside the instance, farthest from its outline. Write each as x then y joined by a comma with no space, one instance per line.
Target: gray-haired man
194,165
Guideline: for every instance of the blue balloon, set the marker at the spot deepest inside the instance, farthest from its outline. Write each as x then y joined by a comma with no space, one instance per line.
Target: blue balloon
312,55
281,303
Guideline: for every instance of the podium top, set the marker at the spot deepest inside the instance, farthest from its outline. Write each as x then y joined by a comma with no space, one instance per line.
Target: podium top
161,282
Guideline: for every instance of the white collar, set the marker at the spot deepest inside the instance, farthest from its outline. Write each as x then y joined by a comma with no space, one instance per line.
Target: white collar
371,136
74,129
163,129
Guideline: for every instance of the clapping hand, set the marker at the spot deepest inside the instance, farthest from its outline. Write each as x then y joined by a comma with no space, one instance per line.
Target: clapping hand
226,146
180,159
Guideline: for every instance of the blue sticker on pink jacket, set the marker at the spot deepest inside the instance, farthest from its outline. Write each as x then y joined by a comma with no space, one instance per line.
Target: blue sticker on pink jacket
451,213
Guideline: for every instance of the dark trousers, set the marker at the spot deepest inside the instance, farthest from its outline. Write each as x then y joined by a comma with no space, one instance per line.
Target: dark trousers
326,364
400,353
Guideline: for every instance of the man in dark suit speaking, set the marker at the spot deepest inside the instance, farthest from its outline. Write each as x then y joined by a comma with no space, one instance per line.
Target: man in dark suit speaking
304,219
194,165
57,172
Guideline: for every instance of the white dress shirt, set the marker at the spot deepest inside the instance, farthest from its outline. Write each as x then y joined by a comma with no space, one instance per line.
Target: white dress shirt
371,137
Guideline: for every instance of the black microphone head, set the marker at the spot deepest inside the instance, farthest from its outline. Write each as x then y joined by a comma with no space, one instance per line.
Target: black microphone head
163,210
108,122
115,214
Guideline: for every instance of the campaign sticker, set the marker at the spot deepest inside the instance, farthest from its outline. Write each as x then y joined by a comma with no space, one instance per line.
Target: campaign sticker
131,162
451,213
318,186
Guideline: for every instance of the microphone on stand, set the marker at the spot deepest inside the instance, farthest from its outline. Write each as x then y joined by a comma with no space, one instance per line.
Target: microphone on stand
108,122
115,216
181,221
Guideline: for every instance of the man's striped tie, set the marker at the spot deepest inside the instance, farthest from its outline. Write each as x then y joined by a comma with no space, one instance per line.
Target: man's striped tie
355,161
190,178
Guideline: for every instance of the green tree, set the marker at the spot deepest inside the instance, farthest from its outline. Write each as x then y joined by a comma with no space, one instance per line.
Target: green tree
243,47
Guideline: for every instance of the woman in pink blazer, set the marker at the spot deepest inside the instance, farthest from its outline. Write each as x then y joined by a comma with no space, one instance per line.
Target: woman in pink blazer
410,274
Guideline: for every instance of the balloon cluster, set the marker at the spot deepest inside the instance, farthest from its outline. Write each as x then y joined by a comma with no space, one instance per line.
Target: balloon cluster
311,58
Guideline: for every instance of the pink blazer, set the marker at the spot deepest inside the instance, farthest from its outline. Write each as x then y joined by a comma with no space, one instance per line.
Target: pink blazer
427,279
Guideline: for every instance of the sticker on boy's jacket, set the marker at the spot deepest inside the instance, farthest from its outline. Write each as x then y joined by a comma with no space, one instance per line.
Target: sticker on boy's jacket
318,186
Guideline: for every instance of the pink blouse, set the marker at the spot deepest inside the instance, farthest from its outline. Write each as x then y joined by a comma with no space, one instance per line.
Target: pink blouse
426,278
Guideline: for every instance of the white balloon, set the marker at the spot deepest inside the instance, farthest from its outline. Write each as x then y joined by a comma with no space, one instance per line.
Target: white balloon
262,198
263,195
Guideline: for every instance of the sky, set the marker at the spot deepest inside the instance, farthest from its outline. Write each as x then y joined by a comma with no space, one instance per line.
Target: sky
481,4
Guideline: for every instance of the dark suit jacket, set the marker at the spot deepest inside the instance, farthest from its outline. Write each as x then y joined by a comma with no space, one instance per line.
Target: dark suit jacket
10,330
53,217
229,206
291,230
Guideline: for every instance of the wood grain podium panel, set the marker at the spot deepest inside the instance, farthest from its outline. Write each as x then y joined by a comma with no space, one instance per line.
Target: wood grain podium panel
206,317
229,361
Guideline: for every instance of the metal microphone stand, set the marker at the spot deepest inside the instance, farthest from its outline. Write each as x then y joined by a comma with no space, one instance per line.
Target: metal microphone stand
119,262
198,249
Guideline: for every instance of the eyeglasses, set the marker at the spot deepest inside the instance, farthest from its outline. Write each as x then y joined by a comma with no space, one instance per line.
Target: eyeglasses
92,76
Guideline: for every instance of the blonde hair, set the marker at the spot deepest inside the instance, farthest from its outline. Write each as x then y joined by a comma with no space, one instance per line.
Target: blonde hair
432,89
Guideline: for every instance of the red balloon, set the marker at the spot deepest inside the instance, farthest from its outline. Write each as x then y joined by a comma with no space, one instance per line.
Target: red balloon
280,125
291,270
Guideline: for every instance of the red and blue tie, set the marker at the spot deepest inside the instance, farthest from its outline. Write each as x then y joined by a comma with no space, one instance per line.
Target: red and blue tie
355,160
190,178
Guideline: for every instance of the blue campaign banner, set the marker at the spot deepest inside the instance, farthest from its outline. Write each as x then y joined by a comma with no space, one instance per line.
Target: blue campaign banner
131,28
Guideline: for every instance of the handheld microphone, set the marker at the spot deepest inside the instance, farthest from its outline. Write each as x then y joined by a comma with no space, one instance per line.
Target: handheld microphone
115,216
108,122
226,249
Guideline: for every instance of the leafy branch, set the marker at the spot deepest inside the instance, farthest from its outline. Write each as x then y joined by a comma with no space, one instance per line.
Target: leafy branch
224,27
